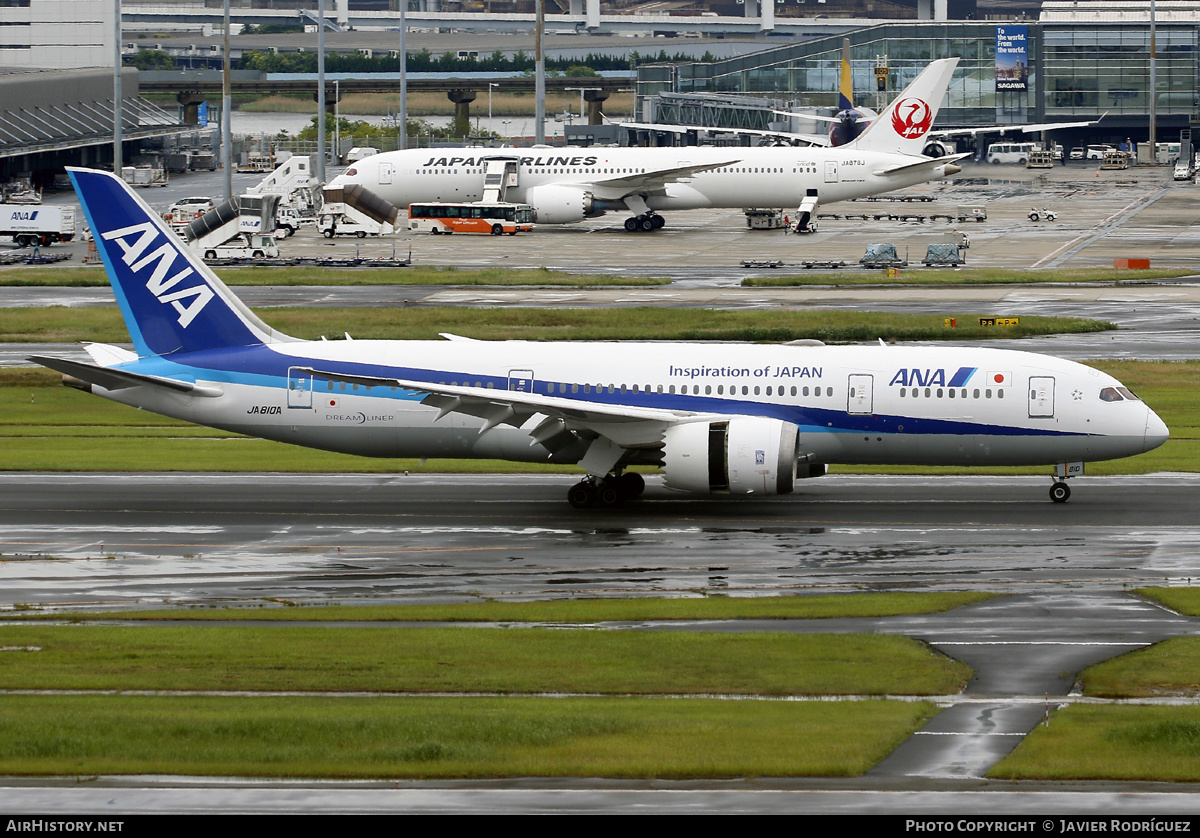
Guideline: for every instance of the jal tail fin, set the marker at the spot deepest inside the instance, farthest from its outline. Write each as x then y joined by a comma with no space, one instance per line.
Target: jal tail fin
903,126
846,85
172,302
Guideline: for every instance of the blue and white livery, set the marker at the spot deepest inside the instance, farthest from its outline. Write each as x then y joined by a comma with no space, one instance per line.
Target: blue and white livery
727,418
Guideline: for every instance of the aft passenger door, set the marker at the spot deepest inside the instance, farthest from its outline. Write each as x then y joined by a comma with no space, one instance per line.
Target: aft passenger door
1041,397
831,171
299,388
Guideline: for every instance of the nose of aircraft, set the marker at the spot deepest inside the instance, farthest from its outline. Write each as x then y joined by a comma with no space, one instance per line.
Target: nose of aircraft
1156,431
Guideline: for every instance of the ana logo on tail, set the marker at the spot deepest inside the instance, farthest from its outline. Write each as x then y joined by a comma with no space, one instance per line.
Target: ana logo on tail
912,118
134,241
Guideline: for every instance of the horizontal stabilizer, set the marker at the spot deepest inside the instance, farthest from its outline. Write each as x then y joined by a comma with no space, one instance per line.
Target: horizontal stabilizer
924,161
113,379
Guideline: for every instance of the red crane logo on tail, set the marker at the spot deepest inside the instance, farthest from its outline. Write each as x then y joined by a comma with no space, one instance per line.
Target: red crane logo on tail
911,118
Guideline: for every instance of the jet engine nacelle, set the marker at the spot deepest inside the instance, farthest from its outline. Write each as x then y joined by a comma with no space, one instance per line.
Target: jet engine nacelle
939,148
558,204
741,455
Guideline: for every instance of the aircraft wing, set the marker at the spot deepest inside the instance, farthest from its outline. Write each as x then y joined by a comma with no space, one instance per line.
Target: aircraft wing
781,136
607,429
1003,129
922,161
618,186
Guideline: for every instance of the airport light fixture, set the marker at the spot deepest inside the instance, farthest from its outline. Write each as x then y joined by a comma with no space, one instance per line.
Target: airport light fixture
491,84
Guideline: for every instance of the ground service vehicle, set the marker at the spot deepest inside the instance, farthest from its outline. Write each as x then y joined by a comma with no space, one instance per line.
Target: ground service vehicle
1011,152
1036,214
496,219
1078,153
245,246
31,224
739,419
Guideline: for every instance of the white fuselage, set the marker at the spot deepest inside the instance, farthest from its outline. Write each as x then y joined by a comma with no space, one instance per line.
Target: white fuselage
742,177
855,404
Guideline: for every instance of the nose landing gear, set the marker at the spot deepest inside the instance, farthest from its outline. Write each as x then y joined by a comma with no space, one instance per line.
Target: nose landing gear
1060,492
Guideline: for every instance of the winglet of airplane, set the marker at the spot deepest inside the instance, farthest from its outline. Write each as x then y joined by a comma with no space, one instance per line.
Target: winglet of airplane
171,301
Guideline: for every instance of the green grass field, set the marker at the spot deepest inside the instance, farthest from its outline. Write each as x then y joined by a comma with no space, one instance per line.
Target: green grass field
418,738
1110,742
65,325
524,702
313,275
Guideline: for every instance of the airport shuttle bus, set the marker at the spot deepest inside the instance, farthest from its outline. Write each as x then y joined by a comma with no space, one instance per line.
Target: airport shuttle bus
496,218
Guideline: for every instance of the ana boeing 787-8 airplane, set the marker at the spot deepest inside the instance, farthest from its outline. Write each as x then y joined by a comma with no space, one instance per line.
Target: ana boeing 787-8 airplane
725,418
568,185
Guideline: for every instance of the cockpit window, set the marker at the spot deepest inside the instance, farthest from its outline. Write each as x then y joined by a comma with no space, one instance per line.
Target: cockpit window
1127,393
1110,394
351,172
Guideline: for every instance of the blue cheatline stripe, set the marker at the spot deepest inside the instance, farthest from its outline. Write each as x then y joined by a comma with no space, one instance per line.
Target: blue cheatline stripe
262,366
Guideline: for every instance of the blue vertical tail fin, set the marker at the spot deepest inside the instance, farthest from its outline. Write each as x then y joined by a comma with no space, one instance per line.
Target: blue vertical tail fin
172,302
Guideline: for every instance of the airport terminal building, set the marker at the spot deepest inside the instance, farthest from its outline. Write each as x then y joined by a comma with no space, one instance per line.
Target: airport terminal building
1079,60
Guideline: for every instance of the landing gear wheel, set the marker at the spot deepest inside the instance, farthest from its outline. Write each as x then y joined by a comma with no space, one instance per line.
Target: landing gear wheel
632,225
632,484
1059,492
609,494
659,221
581,495
646,223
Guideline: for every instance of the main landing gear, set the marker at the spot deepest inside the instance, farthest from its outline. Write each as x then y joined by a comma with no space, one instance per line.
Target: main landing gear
645,223
610,492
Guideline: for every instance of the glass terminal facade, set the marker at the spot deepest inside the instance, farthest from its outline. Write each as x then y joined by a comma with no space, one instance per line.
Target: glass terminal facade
1076,71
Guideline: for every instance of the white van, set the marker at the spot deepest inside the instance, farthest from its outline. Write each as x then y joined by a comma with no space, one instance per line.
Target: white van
359,152
1011,152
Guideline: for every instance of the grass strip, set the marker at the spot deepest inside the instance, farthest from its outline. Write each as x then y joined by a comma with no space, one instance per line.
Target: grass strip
821,606
1171,667
971,276
1111,742
60,324
462,659
314,275
417,738
1181,600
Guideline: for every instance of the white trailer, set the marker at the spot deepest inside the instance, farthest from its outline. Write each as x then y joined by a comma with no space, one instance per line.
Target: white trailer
31,224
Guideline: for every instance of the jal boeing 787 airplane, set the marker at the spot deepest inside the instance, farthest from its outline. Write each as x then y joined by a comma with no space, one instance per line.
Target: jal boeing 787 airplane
566,185
716,418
